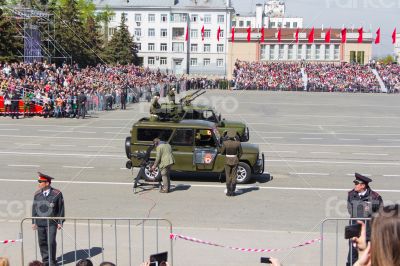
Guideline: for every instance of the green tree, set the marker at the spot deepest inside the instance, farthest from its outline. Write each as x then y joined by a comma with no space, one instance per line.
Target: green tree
104,17
387,60
121,49
10,44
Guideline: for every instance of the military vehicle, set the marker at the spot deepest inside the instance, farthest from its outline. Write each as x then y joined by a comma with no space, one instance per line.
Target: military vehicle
196,145
188,111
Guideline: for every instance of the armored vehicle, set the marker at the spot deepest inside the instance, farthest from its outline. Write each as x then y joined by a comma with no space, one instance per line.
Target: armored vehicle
186,110
196,145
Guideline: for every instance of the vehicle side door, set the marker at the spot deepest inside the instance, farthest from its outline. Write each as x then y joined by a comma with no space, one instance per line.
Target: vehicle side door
182,149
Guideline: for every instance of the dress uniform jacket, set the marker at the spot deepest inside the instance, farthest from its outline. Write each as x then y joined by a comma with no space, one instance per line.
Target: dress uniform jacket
232,147
164,156
50,206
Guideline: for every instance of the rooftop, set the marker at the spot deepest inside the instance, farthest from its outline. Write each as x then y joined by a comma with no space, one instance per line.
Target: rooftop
161,3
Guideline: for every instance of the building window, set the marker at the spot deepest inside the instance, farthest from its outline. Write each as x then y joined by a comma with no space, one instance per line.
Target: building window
138,32
207,19
194,34
206,61
336,54
318,52
150,61
241,24
287,25
300,55
164,33
272,24
222,34
193,61
177,47
234,23
220,62
151,46
263,51
220,48
207,48
152,18
164,17
163,61
152,32
327,52
193,47
194,18
308,51
248,23
279,24
163,47
138,46
294,24
221,18
207,34
138,17
111,31
272,52
291,52
281,51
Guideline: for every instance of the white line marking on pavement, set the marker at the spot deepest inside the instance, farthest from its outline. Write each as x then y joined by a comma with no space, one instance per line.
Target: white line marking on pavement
324,152
64,131
325,145
319,174
353,174
52,137
62,154
101,147
116,133
391,175
78,167
311,138
281,151
272,137
333,162
28,144
349,139
371,154
198,185
325,133
9,129
388,139
62,145
23,165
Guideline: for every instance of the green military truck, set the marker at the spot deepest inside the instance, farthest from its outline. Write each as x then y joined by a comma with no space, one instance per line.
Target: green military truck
196,145
187,111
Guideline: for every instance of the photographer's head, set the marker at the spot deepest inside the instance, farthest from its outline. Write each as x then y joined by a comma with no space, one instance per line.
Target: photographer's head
385,238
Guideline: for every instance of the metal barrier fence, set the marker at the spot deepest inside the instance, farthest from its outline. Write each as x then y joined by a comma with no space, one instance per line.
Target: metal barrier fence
332,239
123,241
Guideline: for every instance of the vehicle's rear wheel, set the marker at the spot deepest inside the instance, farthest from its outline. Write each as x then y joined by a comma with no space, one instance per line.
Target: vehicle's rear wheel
128,147
243,173
150,176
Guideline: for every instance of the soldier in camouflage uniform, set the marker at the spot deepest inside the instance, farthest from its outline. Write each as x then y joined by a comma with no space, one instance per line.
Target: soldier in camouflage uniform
233,151
164,161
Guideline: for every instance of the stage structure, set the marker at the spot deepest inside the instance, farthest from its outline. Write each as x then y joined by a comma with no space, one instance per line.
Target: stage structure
37,29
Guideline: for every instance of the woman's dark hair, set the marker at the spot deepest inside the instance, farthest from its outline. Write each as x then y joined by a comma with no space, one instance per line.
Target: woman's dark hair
35,263
84,262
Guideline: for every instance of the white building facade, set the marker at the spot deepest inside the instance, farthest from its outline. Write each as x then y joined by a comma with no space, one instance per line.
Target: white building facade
397,47
269,15
159,28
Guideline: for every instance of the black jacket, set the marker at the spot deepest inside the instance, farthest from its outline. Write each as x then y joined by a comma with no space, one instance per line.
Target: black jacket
50,206
364,206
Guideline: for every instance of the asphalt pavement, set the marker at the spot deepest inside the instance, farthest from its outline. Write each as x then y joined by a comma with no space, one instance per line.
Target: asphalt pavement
313,143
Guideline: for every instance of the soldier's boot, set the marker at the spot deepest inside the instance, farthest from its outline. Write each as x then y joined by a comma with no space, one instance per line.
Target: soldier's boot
233,188
228,190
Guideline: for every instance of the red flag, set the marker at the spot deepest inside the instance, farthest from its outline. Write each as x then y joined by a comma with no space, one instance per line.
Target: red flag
248,34
297,35
344,35
187,33
360,35
328,36
279,34
311,36
202,33
219,33
262,34
394,36
233,34
378,36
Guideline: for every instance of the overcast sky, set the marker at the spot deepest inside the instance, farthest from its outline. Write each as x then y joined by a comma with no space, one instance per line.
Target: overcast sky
370,14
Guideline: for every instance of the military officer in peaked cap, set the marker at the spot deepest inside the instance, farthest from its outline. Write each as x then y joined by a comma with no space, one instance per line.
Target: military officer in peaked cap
362,202
232,149
47,202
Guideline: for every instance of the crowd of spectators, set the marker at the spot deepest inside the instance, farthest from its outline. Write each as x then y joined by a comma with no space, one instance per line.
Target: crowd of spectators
390,75
341,77
57,88
267,76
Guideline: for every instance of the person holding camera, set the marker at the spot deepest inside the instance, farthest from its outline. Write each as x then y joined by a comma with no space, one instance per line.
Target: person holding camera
362,202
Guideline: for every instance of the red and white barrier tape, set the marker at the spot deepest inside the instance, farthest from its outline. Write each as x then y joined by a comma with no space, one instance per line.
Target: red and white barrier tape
10,241
257,250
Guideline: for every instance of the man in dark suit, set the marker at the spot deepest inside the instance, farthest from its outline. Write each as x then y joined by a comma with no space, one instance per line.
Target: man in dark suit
82,104
362,202
47,202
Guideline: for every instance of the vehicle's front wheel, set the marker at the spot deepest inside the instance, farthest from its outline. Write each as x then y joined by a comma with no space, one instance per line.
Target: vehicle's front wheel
243,173
150,176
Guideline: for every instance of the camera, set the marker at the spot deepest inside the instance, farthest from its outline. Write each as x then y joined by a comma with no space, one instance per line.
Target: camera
351,231
265,260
